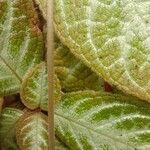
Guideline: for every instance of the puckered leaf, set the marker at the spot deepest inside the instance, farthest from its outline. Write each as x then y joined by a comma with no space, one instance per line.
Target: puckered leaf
43,6
34,91
8,120
89,120
32,131
21,43
73,74
110,36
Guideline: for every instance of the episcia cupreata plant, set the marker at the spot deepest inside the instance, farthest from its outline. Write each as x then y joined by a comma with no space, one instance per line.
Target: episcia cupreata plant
96,41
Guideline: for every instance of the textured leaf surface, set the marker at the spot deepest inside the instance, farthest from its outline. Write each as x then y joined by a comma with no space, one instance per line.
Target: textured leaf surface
8,120
110,36
73,74
21,43
43,6
59,145
88,120
32,131
34,91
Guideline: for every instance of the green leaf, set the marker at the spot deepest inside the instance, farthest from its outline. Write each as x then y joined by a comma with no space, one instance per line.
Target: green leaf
111,37
89,120
32,131
21,43
34,90
59,145
73,74
8,120
42,6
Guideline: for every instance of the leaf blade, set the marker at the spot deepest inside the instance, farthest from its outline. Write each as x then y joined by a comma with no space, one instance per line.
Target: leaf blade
72,73
115,51
19,35
32,131
59,145
86,120
34,90
8,120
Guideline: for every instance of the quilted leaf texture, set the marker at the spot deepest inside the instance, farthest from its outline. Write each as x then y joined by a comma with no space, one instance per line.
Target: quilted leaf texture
96,121
110,36
8,120
32,133
42,6
21,43
34,90
73,74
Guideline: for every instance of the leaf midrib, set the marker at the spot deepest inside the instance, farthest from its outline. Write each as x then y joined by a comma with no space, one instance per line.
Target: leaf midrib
11,69
93,130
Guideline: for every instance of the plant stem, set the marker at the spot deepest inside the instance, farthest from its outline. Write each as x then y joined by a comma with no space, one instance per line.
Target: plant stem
50,68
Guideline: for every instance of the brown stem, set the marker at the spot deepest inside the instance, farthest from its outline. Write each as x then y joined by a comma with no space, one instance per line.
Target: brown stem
50,69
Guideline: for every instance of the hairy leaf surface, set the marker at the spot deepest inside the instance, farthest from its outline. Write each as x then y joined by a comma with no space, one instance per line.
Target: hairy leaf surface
89,120
59,145
32,131
21,43
73,74
110,36
34,91
8,120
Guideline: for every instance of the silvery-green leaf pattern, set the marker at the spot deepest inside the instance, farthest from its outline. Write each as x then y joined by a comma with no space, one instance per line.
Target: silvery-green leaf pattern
97,121
21,43
8,120
34,90
73,74
32,131
110,36
59,145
